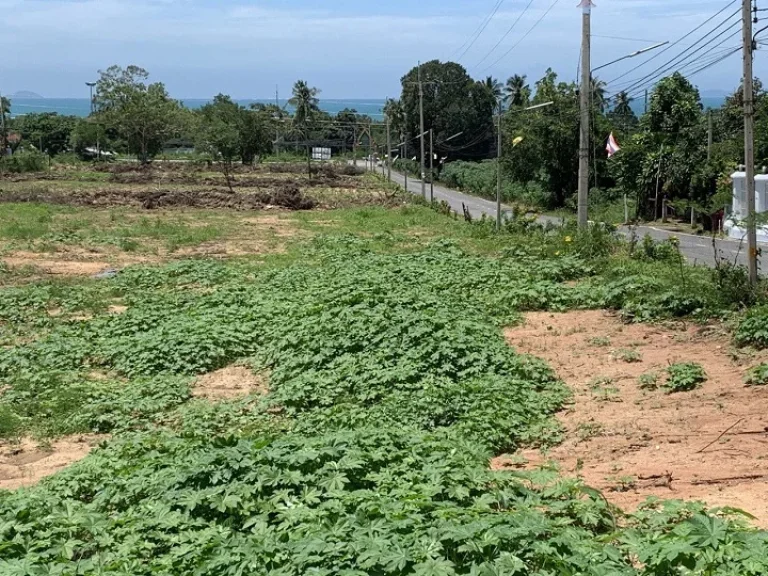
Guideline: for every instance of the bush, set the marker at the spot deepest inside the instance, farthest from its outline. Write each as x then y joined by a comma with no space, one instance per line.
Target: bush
753,329
757,376
684,377
26,161
480,179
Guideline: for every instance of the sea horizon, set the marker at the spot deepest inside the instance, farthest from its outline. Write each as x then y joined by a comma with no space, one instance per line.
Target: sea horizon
369,106
82,106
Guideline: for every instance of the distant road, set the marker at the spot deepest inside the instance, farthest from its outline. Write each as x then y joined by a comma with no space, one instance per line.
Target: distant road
697,249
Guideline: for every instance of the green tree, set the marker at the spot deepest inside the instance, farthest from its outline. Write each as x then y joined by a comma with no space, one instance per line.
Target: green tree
599,100
495,91
621,115
517,92
142,114
219,133
48,131
306,105
5,110
548,155
675,105
453,103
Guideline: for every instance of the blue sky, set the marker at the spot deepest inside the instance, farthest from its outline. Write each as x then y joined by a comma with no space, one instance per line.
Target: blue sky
349,49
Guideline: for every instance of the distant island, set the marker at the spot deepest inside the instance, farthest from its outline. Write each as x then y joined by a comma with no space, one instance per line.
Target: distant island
26,94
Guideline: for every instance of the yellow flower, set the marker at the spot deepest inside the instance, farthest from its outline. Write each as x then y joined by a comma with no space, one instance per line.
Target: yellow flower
557,253
568,239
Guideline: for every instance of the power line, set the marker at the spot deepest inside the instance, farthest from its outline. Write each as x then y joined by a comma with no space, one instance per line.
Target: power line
507,33
676,42
681,57
480,29
678,63
531,29
707,66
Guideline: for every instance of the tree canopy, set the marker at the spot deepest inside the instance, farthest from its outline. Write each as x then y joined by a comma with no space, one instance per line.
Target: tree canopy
144,115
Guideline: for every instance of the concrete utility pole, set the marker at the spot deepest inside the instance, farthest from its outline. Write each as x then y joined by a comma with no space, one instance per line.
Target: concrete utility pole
749,140
389,152
645,109
431,165
586,86
710,135
405,152
354,145
421,129
498,175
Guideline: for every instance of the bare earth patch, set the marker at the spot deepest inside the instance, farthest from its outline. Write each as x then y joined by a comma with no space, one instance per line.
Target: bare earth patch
634,443
57,267
26,463
230,383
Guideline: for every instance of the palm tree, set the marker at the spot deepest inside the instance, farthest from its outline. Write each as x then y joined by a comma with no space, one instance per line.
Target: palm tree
598,94
517,91
305,104
395,113
494,89
623,105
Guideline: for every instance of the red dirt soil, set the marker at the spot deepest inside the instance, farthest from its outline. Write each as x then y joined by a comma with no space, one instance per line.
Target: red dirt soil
633,443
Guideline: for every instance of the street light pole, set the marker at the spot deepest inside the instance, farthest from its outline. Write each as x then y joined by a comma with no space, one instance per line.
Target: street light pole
421,129
498,175
91,85
431,166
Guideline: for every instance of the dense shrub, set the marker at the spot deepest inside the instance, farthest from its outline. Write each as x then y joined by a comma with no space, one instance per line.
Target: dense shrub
24,161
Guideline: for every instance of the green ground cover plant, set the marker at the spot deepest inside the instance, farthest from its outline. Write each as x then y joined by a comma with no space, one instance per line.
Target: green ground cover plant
757,375
684,377
390,388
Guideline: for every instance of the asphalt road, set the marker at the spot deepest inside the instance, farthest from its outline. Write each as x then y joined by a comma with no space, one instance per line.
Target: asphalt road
697,249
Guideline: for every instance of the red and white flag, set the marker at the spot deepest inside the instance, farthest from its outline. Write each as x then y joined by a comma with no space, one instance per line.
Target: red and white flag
612,147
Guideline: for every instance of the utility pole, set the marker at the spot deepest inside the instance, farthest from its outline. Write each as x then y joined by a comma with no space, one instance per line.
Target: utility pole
498,175
354,145
749,139
389,152
405,151
586,86
710,135
431,166
421,130
645,109
277,96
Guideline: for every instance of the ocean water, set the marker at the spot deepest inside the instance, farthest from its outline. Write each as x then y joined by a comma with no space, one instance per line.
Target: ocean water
82,106
371,107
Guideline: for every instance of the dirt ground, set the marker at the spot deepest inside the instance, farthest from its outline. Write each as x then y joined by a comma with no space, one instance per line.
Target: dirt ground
710,444
230,383
252,235
27,462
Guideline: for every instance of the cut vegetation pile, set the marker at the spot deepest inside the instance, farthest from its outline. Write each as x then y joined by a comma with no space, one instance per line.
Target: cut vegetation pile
287,196
390,388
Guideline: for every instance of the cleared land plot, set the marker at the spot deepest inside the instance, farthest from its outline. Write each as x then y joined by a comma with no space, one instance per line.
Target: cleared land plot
708,444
